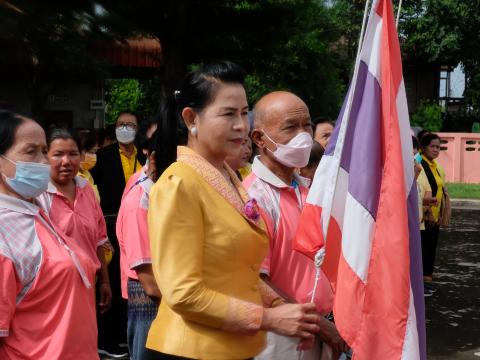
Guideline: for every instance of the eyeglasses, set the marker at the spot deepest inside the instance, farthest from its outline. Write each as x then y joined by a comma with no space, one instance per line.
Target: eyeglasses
126,124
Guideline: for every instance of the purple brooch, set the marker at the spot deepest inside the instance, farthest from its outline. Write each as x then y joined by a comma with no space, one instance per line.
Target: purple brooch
251,210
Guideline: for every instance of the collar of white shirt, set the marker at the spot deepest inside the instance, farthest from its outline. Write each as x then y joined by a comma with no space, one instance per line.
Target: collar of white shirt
267,175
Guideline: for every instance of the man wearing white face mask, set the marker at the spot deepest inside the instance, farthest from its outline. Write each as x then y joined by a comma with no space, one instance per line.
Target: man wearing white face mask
283,133
116,163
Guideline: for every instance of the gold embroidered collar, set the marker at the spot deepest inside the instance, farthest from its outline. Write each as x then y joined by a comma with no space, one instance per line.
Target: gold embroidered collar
235,195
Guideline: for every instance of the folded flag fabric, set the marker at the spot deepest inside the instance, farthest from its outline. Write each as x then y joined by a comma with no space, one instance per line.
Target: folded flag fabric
364,199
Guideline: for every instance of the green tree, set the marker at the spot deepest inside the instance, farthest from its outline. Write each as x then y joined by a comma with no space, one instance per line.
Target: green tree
445,32
141,96
428,115
282,44
48,42
120,95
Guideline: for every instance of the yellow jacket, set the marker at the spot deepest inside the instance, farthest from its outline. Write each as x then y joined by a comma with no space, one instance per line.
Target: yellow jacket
87,176
439,175
206,258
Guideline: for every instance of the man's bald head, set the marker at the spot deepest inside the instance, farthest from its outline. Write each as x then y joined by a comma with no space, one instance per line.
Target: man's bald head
275,105
278,117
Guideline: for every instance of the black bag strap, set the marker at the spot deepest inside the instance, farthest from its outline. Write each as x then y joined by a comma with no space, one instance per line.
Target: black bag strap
430,177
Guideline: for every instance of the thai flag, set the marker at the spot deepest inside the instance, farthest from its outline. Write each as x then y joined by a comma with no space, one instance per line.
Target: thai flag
364,198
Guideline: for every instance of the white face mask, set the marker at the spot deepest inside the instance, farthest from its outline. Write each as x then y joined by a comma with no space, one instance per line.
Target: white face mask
296,152
125,134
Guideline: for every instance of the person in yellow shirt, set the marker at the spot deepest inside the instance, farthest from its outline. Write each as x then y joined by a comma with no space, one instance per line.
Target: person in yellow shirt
207,236
430,148
88,158
116,163
240,162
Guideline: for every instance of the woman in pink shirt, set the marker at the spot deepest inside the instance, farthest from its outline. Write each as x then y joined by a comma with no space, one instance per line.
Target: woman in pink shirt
73,207
138,283
46,308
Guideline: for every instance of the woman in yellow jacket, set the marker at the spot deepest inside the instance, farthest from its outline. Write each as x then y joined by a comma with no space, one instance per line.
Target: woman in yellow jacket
207,237
430,145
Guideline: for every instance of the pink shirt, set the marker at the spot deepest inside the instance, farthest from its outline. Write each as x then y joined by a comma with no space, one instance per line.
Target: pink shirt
133,179
132,230
81,220
47,307
281,205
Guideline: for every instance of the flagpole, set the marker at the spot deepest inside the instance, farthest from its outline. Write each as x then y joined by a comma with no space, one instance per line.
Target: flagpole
320,255
398,13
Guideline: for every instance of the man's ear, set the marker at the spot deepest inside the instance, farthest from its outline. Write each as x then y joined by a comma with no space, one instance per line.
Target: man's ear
189,116
257,138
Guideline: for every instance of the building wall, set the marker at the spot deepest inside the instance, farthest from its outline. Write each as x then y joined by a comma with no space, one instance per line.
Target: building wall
67,105
421,83
15,96
459,156
75,98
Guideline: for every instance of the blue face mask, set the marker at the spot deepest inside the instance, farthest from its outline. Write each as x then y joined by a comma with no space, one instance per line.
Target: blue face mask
418,158
31,179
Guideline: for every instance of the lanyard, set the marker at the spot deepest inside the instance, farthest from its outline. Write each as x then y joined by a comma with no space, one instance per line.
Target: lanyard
139,181
296,187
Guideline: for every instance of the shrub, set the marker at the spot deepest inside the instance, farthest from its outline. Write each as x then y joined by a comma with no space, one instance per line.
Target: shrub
428,115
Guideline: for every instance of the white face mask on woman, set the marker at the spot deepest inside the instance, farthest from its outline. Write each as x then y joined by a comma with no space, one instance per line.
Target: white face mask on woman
296,152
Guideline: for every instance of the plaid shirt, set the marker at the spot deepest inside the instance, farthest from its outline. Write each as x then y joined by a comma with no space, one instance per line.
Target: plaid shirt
19,242
41,270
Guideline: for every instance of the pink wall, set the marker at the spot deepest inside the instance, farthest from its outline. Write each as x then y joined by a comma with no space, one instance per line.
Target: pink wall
460,157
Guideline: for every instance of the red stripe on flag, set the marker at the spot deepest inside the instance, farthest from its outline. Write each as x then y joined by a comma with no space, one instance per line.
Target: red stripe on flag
309,236
385,312
334,249
349,300
390,44
309,239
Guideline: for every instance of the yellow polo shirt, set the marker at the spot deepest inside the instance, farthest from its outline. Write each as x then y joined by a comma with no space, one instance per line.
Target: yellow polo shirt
130,164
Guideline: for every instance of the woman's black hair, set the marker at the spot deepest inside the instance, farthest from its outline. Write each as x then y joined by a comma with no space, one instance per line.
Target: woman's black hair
108,133
9,123
427,139
88,140
198,90
415,143
421,133
142,141
64,134
316,154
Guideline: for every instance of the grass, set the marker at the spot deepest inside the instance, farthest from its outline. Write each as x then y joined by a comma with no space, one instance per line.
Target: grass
463,191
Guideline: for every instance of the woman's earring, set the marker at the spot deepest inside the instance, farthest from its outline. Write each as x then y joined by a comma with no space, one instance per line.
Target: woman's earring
194,131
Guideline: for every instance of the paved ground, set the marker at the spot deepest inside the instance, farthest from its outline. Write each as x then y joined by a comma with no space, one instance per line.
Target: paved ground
453,312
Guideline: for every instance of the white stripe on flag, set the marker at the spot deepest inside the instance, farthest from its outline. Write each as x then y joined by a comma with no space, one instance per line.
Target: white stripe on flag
411,349
340,198
357,237
406,137
324,181
371,46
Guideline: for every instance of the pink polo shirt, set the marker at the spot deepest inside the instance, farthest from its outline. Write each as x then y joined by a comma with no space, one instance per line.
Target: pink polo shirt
81,220
133,179
281,205
47,307
132,230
